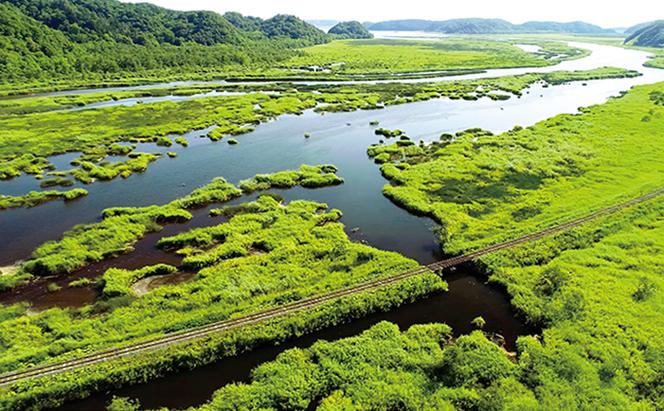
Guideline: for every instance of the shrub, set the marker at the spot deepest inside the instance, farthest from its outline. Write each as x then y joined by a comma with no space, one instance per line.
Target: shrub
81,282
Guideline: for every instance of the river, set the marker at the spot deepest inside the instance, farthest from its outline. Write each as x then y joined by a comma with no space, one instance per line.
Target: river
340,139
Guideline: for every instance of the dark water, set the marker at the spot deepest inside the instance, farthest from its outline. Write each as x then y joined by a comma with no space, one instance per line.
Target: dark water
467,298
280,145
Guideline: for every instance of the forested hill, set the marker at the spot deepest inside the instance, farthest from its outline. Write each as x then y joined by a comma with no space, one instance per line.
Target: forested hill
279,26
350,30
636,27
488,26
51,39
95,20
651,35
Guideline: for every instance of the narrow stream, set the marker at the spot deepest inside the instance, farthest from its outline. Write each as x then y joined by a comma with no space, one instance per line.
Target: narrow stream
189,388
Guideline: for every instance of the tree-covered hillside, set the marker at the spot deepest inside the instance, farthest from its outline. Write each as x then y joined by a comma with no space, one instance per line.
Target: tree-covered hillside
55,39
27,46
281,26
637,27
287,26
350,30
97,20
576,27
649,36
473,26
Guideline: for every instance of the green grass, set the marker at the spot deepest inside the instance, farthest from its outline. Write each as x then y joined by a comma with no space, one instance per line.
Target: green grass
120,228
27,140
600,290
374,57
81,282
398,56
266,256
596,289
52,391
306,176
117,282
484,188
35,198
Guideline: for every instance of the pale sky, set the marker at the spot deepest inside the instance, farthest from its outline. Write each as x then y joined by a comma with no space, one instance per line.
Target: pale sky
606,13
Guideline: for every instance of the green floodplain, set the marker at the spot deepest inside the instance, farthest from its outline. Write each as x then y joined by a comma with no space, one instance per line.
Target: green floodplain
594,293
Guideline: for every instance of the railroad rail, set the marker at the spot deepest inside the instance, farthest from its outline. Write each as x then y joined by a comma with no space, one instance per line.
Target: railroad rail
184,336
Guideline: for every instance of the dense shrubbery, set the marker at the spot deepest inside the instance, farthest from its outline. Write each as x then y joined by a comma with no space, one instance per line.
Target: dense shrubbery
53,390
382,368
267,255
34,198
248,233
118,282
119,229
89,171
306,176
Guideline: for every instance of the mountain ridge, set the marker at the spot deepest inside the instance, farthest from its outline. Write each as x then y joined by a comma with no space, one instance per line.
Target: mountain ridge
487,26
651,35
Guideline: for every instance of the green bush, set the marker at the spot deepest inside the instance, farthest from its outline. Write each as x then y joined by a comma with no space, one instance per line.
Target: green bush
117,282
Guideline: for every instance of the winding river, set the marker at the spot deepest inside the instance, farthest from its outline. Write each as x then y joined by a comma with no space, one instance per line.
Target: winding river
340,139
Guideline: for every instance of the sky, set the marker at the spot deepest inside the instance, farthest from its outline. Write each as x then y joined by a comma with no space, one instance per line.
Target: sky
606,13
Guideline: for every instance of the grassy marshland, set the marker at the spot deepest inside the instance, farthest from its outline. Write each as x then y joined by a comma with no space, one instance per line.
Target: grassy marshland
267,255
597,289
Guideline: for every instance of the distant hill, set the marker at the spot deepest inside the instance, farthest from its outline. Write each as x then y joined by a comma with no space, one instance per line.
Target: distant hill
474,26
637,27
487,26
651,35
287,26
401,25
576,27
350,30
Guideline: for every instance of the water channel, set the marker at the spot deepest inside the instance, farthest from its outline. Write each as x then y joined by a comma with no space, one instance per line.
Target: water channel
340,139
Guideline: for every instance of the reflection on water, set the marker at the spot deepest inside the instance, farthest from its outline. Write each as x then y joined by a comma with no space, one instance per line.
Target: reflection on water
280,145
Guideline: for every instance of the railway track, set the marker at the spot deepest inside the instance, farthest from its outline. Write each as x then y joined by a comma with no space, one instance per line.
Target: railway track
196,333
